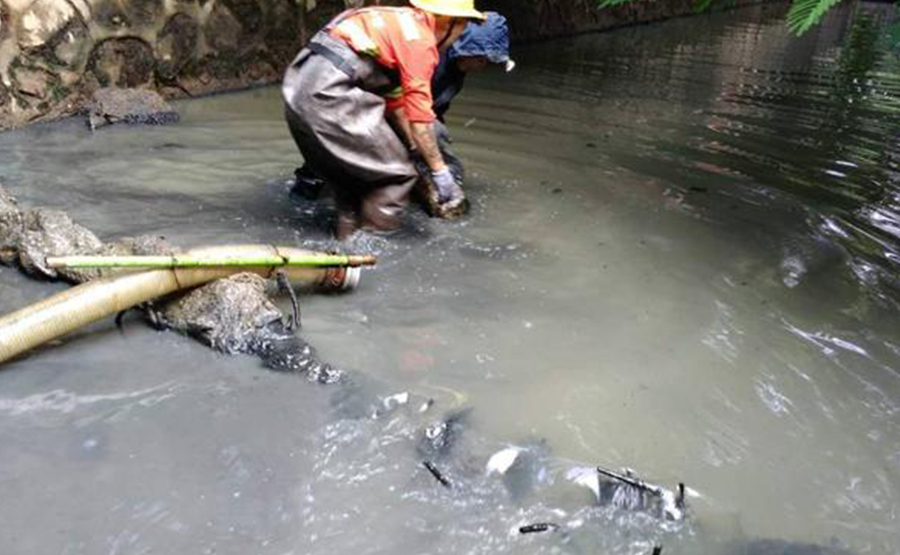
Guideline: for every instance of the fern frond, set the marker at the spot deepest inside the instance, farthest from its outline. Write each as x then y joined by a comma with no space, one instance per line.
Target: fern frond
612,3
806,13
701,6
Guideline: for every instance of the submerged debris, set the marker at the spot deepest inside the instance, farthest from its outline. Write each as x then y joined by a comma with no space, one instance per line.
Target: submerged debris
439,438
538,527
624,490
438,475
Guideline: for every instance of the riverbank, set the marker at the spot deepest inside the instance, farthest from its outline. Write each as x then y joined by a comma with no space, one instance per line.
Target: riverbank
55,53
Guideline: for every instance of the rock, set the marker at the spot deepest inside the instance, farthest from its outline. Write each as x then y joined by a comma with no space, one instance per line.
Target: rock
4,21
110,15
234,315
143,13
42,20
222,30
122,62
176,46
226,313
83,7
131,106
10,227
145,245
115,14
33,82
72,45
283,36
247,12
52,233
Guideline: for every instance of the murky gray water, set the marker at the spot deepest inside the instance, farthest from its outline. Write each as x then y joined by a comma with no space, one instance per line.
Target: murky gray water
682,258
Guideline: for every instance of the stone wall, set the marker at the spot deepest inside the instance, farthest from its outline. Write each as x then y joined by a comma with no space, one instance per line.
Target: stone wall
55,53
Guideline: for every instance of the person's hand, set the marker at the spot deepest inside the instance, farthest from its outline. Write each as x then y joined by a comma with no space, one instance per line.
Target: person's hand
445,183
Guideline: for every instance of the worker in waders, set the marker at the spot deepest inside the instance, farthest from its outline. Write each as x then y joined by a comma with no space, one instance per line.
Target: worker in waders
359,107
481,44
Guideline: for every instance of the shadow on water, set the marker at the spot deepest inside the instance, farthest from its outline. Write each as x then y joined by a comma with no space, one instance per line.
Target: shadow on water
682,257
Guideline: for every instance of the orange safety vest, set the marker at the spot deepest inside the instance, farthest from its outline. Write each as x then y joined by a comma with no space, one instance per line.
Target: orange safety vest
400,39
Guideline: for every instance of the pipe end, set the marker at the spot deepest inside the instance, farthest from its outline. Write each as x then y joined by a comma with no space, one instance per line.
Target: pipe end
351,279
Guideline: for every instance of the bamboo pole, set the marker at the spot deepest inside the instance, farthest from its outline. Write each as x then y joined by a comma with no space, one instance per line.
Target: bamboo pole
219,261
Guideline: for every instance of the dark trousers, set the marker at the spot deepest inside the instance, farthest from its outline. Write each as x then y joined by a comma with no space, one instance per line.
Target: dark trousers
341,131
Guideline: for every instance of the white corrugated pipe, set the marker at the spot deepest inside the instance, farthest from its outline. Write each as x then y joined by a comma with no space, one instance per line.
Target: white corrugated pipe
89,302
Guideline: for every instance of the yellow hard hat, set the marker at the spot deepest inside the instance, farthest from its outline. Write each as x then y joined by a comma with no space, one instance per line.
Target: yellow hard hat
452,8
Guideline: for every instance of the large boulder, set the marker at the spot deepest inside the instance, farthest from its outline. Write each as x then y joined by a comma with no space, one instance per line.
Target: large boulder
131,106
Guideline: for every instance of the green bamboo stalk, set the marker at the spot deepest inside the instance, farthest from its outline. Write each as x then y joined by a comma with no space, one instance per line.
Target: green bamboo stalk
187,261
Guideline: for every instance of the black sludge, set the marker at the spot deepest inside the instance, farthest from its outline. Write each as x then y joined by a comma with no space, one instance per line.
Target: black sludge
283,351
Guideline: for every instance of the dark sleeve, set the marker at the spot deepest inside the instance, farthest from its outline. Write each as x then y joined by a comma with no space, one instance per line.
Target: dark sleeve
447,83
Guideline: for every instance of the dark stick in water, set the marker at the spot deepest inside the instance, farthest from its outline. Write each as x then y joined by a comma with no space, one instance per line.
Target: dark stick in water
437,474
538,527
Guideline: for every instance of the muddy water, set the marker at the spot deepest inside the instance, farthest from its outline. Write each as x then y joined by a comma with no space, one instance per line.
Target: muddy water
682,257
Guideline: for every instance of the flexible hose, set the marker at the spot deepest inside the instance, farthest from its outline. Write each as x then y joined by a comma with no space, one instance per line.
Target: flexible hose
89,302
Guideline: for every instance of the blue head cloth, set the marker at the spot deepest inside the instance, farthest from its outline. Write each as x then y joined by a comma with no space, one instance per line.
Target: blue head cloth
489,38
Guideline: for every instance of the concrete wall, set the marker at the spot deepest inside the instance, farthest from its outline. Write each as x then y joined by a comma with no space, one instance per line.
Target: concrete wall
54,53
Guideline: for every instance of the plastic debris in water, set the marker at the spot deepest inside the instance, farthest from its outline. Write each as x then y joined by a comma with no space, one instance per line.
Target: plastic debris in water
586,477
501,461
626,491
396,400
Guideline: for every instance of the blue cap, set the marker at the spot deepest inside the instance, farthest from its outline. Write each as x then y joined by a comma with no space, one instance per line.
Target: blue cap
489,38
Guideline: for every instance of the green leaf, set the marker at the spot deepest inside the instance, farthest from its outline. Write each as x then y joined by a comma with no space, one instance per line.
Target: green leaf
701,6
894,35
806,13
